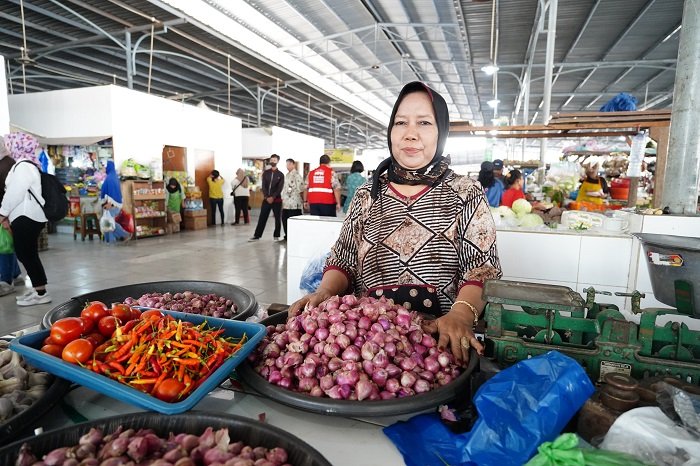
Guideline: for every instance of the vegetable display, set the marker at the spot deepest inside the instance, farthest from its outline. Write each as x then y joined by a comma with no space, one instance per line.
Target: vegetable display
354,349
131,447
20,385
150,351
187,301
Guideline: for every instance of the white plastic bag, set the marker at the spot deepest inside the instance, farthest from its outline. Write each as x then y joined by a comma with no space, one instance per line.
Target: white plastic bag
107,223
649,435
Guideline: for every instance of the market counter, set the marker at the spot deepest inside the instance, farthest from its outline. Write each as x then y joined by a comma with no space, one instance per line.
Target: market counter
343,441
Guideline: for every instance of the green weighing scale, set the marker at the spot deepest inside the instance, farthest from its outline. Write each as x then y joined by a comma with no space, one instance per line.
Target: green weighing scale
528,319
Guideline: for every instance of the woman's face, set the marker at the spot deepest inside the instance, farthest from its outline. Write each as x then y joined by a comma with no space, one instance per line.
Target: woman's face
414,134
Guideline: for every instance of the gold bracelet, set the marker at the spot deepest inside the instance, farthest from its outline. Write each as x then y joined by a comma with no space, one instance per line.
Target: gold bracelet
471,307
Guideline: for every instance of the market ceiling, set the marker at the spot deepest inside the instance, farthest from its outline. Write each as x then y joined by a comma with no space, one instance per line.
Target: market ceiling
332,68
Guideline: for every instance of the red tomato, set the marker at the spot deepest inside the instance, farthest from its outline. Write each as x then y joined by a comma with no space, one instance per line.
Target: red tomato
49,341
53,350
135,314
77,351
121,312
151,312
88,325
99,352
65,330
96,339
95,310
169,389
107,325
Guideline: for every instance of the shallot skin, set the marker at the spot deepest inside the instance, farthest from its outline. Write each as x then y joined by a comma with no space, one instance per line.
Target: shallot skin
212,447
361,349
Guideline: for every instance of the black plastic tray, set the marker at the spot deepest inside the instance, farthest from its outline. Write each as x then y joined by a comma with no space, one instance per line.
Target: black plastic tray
411,404
251,432
244,299
22,424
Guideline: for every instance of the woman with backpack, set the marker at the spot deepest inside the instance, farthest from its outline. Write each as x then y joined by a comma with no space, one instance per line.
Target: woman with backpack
21,213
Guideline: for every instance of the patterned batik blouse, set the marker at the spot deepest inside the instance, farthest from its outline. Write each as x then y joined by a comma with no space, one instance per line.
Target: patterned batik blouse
429,244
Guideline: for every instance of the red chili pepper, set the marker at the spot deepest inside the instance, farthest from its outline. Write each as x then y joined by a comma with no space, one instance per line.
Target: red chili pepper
118,367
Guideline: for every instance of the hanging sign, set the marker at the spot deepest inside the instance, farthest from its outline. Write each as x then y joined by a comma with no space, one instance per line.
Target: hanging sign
341,155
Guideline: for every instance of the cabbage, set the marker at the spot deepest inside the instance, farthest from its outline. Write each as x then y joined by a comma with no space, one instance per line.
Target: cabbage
531,220
505,212
521,207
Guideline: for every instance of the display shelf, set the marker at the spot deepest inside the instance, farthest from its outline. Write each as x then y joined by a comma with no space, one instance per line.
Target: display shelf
149,196
143,197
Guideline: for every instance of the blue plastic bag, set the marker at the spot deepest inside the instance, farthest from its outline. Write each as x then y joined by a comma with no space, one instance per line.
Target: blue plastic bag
519,408
622,102
313,273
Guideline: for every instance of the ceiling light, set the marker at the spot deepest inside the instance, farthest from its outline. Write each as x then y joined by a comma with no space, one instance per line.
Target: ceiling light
489,69
493,103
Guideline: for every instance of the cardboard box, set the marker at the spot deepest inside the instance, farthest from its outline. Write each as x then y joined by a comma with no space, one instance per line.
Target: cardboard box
171,228
196,213
195,223
174,217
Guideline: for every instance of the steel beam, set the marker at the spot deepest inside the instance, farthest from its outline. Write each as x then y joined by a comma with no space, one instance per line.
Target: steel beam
617,41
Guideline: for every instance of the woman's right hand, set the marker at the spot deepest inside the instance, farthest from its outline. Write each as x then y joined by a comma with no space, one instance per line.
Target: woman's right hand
313,299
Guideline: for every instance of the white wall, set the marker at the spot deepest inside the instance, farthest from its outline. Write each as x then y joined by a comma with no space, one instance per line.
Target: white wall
143,124
140,124
261,142
4,109
78,113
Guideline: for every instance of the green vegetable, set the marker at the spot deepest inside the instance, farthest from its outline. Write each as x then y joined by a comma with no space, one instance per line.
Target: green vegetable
531,220
521,207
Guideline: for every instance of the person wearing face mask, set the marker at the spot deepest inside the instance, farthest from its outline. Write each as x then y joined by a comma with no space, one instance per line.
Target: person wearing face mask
419,233
272,184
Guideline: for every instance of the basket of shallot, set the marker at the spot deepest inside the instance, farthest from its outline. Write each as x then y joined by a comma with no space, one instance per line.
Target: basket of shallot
183,439
355,357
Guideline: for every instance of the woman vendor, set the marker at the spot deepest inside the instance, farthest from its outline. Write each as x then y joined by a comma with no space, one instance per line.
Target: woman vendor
175,198
418,233
593,188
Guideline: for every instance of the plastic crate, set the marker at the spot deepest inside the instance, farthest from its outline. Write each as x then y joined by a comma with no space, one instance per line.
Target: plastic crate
28,346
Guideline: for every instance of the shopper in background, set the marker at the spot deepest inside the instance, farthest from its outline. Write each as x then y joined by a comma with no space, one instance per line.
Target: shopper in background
216,195
272,185
593,188
240,190
9,268
111,200
323,190
419,234
493,187
354,181
23,215
498,170
514,188
292,194
174,195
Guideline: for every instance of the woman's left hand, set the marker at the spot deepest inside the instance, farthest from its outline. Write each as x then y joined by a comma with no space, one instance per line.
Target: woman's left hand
455,332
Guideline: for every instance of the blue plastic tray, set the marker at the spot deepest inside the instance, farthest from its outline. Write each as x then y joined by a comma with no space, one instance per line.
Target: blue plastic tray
28,346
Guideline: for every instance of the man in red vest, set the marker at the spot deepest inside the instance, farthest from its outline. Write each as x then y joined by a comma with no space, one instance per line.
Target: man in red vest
323,190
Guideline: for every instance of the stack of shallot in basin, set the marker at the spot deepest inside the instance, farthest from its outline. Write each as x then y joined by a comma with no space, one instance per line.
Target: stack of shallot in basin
354,349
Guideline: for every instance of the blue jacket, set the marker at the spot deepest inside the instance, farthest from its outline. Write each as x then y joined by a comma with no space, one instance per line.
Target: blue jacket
494,193
111,190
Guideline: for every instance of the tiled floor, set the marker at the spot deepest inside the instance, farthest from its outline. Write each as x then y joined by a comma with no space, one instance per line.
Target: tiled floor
218,254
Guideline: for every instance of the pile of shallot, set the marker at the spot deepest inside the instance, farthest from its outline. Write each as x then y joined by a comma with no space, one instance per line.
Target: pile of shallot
207,305
129,447
354,349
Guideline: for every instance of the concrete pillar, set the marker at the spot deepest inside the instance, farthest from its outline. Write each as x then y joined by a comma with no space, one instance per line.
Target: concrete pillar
680,191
